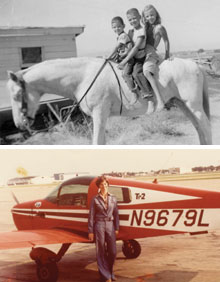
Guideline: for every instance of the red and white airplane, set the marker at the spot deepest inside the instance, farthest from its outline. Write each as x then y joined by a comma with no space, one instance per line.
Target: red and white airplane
145,210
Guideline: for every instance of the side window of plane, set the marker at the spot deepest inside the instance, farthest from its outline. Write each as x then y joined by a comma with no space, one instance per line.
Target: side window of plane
122,194
73,195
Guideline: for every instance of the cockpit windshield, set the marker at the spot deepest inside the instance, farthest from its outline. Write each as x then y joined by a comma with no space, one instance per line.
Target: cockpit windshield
72,192
52,197
69,195
73,195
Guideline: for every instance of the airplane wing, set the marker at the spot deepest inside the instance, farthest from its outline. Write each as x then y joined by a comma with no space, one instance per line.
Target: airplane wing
31,238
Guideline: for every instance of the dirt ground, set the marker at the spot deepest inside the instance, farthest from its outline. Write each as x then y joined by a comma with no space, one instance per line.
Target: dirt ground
179,258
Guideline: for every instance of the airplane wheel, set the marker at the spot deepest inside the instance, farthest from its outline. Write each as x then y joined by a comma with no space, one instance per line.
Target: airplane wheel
131,249
47,272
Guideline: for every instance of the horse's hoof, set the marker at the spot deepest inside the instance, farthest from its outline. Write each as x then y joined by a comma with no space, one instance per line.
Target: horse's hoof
159,108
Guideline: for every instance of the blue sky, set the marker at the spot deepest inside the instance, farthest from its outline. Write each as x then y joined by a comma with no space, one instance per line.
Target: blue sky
191,24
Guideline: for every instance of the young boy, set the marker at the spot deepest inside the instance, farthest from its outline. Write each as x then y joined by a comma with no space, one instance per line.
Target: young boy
124,43
137,54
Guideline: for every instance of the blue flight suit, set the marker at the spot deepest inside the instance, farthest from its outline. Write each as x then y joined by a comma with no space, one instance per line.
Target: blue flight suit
103,222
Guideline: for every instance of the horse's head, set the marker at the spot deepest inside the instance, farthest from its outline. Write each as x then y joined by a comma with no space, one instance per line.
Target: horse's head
24,106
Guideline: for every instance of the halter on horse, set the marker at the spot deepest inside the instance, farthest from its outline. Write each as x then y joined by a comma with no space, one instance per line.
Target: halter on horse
23,96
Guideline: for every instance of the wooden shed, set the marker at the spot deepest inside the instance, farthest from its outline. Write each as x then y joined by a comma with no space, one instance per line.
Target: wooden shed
21,47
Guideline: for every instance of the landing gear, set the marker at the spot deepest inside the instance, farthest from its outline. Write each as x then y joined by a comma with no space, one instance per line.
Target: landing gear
47,270
131,249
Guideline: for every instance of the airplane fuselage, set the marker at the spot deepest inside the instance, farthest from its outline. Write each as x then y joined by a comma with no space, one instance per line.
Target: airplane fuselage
145,209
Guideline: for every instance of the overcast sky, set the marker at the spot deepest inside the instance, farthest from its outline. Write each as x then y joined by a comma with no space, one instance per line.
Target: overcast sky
191,24
44,162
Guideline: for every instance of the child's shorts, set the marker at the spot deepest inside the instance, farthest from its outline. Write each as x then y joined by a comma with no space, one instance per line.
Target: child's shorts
151,61
151,65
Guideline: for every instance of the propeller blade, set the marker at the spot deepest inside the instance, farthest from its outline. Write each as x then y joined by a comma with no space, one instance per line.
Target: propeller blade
14,197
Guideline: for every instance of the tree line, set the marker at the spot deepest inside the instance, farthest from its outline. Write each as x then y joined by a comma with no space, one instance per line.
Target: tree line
206,168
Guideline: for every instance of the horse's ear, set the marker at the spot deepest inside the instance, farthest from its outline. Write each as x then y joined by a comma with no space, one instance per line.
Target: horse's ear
12,76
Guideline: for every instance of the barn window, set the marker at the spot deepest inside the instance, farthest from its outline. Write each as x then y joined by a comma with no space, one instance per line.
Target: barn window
30,56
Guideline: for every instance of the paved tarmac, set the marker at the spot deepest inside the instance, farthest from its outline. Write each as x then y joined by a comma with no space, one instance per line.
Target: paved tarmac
177,258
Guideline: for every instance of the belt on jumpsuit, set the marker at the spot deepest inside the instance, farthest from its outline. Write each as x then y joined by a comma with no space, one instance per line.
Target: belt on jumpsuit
104,219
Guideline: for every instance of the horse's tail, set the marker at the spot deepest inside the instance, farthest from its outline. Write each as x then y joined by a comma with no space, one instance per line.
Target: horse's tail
206,106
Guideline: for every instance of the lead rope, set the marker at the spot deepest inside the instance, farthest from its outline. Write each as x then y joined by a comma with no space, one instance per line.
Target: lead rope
77,104
66,119
119,85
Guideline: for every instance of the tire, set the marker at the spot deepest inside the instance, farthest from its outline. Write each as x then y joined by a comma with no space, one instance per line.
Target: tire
131,249
47,272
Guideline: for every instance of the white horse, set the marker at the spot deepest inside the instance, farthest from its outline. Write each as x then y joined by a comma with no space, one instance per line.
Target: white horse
181,80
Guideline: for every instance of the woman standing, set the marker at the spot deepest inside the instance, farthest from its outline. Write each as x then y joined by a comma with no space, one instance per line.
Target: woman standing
103,226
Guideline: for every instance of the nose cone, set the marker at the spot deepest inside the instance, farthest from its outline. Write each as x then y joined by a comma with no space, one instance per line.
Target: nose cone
23,215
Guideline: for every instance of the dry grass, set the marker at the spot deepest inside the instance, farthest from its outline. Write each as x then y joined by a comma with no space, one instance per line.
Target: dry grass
166,127
163,128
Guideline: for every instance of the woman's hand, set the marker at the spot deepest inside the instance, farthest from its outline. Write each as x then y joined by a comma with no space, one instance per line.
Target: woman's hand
91,237
116,232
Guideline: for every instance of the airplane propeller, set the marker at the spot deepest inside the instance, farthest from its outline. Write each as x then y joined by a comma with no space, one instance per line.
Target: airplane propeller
14,197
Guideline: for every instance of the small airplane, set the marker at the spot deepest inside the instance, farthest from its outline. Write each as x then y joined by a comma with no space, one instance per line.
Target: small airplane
145,210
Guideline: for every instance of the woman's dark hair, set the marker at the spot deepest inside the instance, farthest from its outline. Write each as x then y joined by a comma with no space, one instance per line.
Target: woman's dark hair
100,180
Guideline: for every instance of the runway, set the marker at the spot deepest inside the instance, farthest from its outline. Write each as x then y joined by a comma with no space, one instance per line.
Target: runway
177,258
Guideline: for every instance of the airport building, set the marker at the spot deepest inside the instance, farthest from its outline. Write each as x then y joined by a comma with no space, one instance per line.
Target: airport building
34,180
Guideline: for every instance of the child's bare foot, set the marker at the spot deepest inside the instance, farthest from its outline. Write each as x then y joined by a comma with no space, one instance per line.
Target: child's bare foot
150,107
133,98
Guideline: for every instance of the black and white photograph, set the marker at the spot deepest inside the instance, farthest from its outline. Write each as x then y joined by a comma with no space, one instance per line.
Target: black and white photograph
109,72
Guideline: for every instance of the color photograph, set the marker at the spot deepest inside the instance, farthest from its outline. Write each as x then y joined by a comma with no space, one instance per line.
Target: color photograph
106,215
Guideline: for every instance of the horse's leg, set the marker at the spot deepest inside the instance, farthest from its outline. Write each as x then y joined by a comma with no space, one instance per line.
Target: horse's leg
206,106
198,119
100,116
